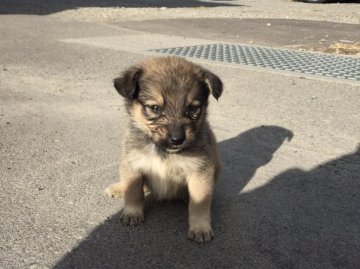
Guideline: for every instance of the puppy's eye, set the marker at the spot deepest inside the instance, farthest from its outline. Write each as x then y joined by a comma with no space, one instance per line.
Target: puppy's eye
192,110
156,109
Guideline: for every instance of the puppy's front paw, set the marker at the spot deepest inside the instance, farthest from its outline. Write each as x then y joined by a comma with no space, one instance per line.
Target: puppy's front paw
200,234
114,190
132,216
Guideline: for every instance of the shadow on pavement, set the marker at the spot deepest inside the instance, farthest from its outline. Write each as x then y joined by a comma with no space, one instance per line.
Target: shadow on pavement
41,7
330,1
300,219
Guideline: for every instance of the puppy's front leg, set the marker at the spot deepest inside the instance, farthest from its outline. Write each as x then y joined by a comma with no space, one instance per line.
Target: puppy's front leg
133,211
200,188
131,189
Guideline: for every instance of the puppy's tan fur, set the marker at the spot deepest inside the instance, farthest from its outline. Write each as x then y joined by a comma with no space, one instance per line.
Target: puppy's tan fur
169,149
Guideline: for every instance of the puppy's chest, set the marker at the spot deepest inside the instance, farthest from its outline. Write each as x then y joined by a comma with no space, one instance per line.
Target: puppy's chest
172,168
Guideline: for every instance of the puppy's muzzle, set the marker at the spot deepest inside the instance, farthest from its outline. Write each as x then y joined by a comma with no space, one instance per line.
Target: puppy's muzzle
176,136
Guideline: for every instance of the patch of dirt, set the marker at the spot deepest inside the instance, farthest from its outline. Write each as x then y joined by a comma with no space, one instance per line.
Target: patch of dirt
343,48
337,48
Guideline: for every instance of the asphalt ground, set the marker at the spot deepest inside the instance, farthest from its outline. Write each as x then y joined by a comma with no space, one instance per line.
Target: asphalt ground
289,142
278,33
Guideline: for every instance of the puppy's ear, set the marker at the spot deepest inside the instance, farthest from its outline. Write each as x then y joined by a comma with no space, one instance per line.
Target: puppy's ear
127,85
214,83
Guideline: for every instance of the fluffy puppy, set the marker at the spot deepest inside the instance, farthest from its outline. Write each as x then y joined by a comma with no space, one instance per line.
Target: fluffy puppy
169,149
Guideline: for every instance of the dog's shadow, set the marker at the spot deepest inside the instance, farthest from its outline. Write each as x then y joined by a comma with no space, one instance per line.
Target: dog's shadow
300,219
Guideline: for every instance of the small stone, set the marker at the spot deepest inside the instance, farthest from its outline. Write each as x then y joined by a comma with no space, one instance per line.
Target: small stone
346,41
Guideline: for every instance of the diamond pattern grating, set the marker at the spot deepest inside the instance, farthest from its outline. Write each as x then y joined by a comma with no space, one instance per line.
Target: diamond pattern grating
297,61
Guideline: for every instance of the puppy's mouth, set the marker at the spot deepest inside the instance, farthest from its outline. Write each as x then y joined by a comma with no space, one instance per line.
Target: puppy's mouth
166,146
173,150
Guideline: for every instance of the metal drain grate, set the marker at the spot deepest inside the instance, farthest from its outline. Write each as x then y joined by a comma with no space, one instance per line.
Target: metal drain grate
297,61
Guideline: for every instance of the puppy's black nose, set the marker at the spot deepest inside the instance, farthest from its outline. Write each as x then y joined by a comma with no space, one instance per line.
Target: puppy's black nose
176,136
177,140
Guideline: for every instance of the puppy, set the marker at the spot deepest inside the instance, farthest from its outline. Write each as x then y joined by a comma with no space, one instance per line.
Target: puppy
169,148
